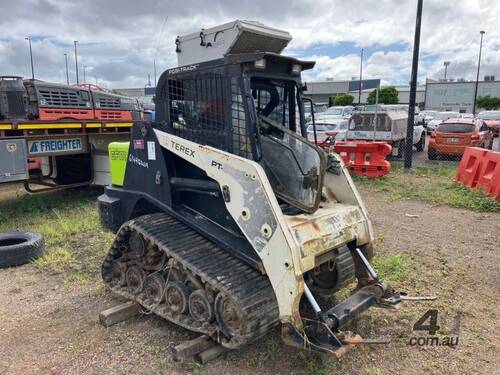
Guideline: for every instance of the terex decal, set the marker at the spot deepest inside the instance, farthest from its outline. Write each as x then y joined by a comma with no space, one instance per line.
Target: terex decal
183,149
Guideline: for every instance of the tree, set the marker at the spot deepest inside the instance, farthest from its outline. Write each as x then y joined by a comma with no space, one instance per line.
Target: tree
387,95
344,99
488,102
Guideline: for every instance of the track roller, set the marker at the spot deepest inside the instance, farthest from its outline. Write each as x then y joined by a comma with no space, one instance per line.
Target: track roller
154,287
135,279
200,307
176,296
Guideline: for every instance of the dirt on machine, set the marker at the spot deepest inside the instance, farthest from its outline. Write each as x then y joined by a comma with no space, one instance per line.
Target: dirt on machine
225,215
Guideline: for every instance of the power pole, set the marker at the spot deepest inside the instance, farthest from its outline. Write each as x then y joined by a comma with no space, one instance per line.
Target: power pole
67,73
360,76
154,67
84,79
28,38
446,64
76,62
413,88
482,32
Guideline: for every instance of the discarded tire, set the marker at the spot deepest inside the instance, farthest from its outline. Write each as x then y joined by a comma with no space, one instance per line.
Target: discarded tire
18,248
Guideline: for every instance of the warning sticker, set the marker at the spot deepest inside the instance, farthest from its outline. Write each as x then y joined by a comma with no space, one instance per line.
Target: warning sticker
151,151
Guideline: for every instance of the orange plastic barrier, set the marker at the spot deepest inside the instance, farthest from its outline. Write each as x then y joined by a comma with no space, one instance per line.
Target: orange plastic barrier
480,168
365,158
470,166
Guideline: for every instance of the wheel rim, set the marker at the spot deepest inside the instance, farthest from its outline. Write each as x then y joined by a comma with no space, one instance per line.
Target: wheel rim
228,316
154,286
176,297
135,279
200,307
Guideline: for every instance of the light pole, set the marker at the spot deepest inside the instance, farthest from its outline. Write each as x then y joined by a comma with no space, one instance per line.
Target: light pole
360,76
482,32
84,78
413,89
446,65
67,73
76,62
28,38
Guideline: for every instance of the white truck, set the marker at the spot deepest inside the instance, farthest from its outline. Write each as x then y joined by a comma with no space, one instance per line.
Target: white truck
390,126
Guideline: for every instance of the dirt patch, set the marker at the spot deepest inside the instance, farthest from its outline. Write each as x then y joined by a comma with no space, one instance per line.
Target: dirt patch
49,324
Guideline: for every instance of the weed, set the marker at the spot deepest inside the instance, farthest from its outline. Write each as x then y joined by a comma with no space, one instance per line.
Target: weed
74,240
196,368
393,267
434,184
162,366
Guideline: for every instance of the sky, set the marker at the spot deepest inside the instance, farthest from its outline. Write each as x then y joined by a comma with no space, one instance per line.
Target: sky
118,40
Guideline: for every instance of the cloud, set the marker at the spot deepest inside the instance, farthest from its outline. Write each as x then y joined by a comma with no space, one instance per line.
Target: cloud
118,40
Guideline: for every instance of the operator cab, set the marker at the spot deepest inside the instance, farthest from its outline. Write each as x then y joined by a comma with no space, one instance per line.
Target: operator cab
250,105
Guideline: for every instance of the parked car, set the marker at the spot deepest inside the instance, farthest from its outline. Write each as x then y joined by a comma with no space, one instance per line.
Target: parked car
326,130
424,117
335,113
467,115
452,137
438,118
318,109
492,119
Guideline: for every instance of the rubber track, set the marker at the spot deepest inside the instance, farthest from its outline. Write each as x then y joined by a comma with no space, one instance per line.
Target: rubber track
247,287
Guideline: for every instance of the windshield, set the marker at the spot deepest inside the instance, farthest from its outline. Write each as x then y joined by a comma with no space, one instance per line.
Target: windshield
294,167
332,111
445,115
489,116
455,128
277,100
319,108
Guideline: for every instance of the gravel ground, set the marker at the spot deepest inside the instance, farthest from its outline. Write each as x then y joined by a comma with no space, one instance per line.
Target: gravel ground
50,326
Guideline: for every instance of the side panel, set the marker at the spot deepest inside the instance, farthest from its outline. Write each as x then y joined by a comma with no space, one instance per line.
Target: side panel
252,204
13,166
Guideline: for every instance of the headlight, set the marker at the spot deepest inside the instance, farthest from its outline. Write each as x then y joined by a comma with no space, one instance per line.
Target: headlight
260,64
296,69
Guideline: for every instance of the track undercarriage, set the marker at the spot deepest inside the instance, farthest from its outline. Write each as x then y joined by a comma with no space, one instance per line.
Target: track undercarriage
179,275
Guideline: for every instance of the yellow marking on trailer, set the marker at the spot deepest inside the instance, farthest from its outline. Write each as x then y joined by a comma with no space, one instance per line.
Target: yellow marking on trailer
93,125
5,127
118,124
50,126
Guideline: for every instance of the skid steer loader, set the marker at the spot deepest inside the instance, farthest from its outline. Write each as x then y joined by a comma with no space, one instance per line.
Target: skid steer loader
225,214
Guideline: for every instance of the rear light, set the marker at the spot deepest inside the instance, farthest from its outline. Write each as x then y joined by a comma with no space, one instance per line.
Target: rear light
331,133
475,137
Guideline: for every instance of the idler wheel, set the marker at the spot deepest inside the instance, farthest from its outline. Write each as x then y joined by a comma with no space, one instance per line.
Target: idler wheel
154,287
135,279
176,297
137,244
200,307
228,315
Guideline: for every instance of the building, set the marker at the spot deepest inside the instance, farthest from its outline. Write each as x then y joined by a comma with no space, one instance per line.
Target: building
144,94
320,92
457,96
